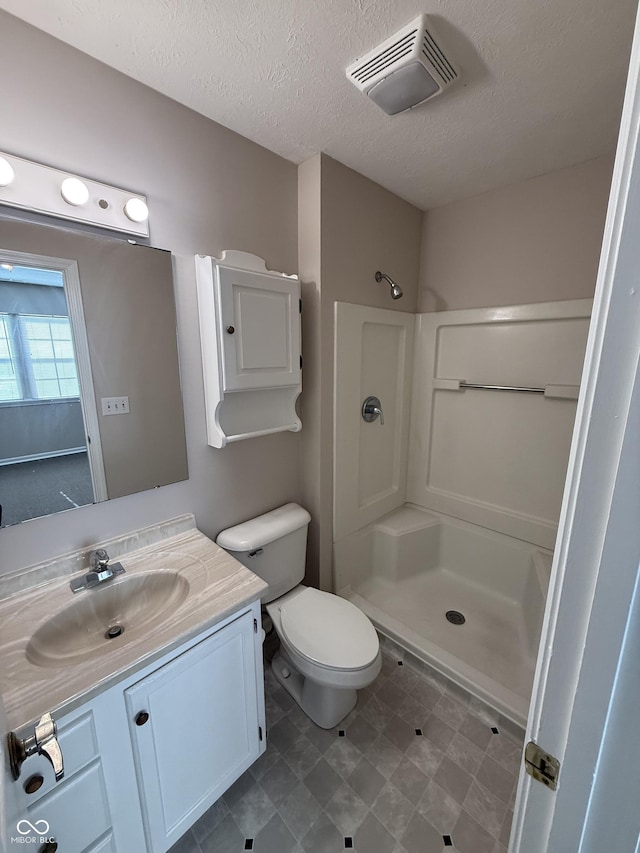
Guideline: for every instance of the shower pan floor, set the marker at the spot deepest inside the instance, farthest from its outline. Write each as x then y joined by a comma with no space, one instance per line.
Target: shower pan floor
488,655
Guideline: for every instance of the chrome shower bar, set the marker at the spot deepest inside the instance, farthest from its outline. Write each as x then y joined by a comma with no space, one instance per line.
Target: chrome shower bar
522,388
557,392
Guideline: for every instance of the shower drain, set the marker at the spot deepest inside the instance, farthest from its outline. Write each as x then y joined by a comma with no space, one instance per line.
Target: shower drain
455,617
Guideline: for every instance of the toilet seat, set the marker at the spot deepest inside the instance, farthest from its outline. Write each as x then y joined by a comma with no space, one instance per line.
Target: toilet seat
328,630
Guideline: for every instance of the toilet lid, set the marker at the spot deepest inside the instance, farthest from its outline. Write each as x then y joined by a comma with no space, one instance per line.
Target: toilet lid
329,630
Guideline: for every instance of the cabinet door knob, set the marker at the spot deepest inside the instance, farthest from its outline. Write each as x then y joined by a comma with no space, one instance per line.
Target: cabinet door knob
49,847
33,783
141,718
231,329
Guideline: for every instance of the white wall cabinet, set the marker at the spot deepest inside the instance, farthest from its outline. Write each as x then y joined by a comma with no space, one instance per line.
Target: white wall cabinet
132,787
260,330
250,337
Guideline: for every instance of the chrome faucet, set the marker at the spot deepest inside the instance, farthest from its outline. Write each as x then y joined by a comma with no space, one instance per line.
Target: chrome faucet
100,572
99,562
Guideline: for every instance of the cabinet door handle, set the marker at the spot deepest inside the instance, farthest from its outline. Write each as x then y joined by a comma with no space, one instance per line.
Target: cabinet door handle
33,783
231,329
141,718
49,847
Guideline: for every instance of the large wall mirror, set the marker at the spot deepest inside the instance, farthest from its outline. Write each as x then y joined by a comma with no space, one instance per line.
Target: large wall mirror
90,399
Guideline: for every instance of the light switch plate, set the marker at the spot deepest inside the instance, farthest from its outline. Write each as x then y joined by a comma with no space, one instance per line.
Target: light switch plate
115,405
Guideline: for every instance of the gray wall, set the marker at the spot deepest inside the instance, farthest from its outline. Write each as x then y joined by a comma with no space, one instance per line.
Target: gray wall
40,427
349,227
209,190
534,241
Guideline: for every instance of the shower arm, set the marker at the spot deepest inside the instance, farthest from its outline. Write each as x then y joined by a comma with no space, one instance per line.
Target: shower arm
382,275
396,290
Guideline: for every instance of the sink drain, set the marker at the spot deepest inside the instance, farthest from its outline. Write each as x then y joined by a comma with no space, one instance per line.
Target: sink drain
113,632
455,617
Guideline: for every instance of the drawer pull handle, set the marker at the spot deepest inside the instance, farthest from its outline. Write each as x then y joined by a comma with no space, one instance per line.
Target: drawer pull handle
141,718
33,783
230,329
49,846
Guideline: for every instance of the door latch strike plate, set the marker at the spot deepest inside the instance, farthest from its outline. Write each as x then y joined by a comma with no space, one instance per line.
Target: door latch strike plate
541,765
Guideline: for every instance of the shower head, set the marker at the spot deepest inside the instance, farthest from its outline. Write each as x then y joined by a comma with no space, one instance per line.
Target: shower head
396,291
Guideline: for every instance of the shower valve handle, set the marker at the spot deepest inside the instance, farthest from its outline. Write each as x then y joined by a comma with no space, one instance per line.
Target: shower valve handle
371,409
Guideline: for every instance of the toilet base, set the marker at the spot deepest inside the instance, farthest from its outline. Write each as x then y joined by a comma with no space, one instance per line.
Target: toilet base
326,706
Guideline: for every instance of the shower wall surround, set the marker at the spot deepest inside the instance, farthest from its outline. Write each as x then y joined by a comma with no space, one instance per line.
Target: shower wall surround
493,458
496,458
373,356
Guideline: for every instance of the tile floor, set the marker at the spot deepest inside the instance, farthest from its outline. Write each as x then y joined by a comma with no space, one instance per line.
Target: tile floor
417,767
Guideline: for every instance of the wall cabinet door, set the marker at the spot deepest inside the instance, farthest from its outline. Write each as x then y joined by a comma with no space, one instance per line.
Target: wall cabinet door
260,330
194,727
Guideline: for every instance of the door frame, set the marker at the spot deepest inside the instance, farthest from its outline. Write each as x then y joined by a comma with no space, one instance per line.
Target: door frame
595,566
73,294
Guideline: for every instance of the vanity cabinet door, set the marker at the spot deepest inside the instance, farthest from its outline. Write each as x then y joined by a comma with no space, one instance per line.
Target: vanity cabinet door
194,726
260,330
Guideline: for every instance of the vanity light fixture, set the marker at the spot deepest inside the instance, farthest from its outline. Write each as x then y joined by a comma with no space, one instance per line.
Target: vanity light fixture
137,210
35,187
6,172
74,192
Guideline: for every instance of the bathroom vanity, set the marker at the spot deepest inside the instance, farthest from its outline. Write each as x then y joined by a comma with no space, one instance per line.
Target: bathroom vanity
153,725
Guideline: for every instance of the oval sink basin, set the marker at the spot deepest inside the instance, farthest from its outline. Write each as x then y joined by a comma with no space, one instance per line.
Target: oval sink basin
100,617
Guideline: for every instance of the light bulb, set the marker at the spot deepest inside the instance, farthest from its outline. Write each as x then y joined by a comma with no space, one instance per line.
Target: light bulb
6,172
136,210
74,192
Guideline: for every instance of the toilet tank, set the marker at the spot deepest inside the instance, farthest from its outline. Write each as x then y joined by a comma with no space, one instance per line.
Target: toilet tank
273,546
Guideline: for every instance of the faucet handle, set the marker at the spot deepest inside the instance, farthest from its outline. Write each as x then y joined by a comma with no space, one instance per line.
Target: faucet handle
98,559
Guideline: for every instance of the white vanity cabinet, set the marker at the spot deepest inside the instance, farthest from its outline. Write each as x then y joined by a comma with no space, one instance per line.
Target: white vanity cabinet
196,726
145,758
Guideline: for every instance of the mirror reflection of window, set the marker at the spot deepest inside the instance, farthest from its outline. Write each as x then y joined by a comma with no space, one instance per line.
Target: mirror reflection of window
44,465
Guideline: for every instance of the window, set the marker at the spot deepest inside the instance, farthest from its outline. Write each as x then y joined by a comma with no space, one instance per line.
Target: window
9,385
36,358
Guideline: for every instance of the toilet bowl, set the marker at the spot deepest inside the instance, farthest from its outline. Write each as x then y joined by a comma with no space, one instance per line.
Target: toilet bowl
328,651
328,647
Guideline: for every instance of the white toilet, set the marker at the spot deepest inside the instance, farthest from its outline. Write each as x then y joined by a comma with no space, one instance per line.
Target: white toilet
328,648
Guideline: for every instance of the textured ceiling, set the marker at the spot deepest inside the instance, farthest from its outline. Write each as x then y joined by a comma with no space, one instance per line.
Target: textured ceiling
541,88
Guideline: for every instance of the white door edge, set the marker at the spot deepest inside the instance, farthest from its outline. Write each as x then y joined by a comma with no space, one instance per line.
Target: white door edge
568,669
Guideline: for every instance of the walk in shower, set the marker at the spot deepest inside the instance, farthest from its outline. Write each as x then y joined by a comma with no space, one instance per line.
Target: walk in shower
445,515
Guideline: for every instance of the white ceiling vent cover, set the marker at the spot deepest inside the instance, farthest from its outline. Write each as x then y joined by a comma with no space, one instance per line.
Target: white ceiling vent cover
405,70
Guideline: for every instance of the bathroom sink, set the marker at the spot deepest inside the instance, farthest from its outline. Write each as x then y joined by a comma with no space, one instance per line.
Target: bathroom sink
103,616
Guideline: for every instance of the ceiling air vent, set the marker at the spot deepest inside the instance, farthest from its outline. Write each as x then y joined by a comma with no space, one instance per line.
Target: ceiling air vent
405,70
